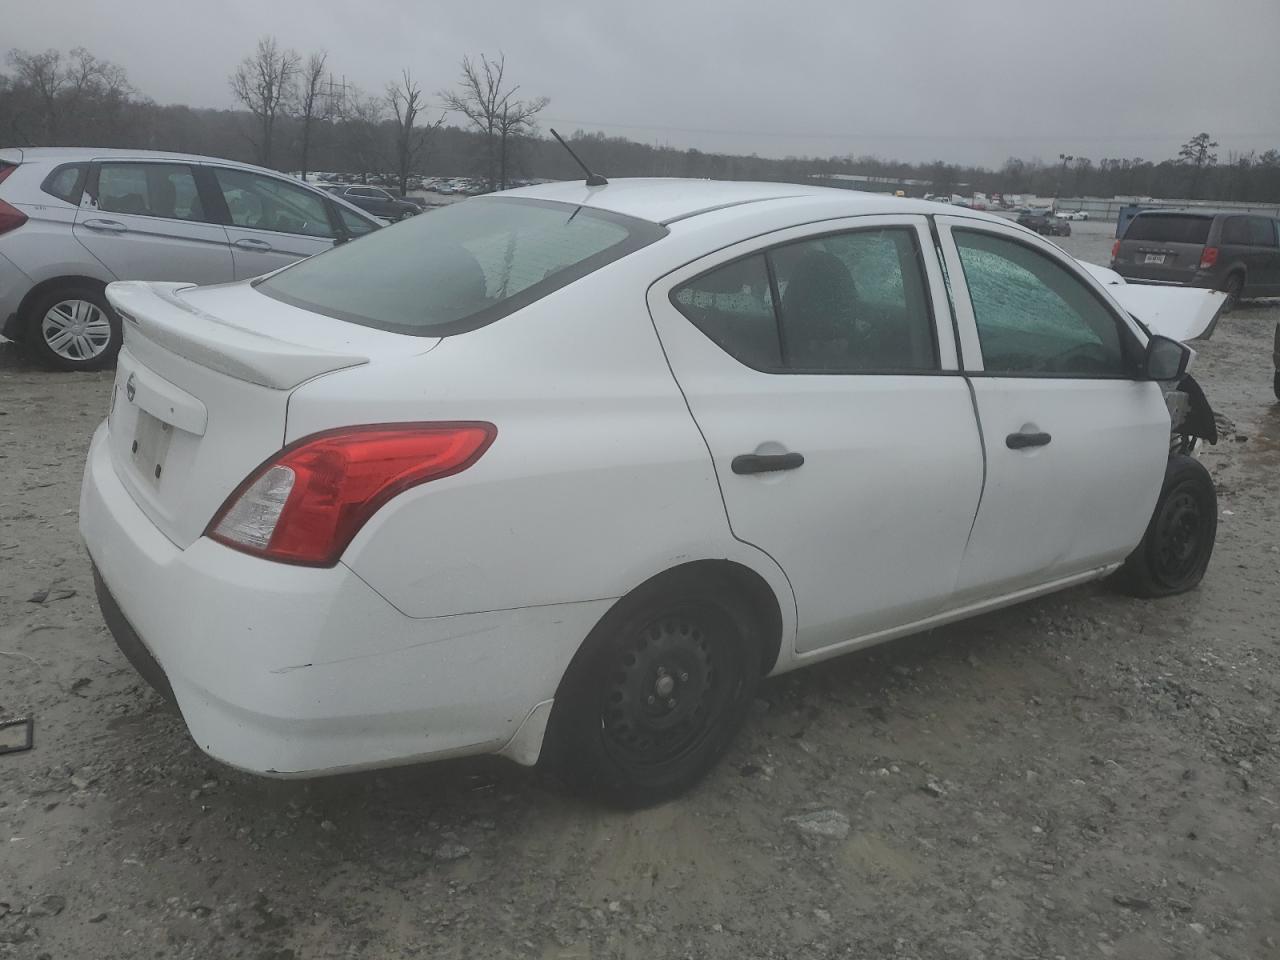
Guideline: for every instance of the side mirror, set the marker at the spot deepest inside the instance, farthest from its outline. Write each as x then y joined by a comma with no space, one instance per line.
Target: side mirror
1166,359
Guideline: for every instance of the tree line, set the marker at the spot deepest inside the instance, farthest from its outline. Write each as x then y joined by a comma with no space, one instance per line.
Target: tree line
294,115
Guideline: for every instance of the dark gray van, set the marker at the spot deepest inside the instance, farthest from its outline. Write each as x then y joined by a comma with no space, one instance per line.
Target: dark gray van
1234,252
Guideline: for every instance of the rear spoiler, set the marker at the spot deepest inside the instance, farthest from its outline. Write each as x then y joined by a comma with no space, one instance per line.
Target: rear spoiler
157,312
1180,313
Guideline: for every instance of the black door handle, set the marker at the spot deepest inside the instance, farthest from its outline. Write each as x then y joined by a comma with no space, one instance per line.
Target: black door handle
766,463
1020,441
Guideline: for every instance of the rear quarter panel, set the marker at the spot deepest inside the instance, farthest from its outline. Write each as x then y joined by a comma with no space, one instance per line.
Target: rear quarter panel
598,478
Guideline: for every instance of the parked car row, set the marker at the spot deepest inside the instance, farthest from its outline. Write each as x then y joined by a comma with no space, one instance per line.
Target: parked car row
378,201
73,220
1043,222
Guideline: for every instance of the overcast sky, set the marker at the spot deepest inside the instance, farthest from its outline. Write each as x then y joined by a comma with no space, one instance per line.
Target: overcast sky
971,81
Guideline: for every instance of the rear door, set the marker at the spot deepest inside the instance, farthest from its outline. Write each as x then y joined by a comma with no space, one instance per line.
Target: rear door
148,220
1075,442
271,221
844,441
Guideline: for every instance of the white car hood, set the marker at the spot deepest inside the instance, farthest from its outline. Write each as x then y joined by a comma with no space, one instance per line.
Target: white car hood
1180,313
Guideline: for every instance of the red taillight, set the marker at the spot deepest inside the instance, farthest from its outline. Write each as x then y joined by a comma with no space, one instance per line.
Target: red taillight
1115,249
11,218
306,504
1208,258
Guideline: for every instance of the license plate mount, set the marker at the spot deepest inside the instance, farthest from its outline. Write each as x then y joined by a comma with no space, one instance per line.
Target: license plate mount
151,439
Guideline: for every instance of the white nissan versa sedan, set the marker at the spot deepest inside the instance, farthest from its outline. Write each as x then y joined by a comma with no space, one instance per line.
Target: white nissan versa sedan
561,473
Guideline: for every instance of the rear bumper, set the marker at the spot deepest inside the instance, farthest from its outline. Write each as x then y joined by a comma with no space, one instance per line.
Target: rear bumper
292,671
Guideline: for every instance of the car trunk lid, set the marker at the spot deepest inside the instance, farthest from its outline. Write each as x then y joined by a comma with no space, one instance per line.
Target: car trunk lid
202,389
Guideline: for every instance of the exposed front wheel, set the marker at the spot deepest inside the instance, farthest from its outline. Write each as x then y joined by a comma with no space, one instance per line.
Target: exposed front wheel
1176,548
74,328
657,692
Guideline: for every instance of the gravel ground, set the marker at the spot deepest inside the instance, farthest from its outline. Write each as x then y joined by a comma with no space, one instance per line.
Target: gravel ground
1085,775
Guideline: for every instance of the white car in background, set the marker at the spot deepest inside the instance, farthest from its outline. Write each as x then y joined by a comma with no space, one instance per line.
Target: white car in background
562,473
74,219
1072,215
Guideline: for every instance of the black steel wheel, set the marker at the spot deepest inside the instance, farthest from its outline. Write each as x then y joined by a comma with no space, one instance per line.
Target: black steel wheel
1176,548
655,695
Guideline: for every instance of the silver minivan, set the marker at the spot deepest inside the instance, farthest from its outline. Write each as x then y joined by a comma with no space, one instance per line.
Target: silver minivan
73,219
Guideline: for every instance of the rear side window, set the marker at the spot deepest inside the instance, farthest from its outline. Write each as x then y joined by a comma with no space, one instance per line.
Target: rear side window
1034,318
149,190
1168,228
851,302
854,302
1262,232
462,266
66,182
1235,230
733,306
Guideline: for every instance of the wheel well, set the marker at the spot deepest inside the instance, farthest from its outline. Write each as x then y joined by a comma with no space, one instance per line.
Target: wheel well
43,287
748,584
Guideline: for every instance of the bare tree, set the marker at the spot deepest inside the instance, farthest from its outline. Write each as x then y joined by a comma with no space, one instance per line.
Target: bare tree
314,107
41,74
493,110
264,84
362,133
405,98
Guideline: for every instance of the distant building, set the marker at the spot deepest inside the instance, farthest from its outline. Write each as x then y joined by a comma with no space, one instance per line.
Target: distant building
855,181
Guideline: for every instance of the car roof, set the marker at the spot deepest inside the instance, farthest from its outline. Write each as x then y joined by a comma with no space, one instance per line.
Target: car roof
70,154
666,200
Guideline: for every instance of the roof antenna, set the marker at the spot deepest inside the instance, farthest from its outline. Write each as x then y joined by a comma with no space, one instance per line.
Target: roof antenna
593,179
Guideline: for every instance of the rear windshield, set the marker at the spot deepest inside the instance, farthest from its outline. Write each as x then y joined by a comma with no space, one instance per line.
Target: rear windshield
1168,228
460,267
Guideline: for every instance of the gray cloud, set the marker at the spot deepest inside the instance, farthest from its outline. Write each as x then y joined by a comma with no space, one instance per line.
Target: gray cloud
972,81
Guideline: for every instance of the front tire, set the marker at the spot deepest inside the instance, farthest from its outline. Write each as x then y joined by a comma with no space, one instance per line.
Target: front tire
1175,550
656,693
73,327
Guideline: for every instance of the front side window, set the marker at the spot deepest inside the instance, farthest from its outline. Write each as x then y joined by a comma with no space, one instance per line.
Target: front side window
1034,317
852,302
462,266
149,190
265,203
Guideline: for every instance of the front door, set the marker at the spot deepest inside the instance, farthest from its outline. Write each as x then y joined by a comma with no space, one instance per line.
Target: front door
1075,441
843,438
271,221
148,221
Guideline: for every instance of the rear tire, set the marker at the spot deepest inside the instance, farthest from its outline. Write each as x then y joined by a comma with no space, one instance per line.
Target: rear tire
72,327
1233,287
1178,543
657,691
